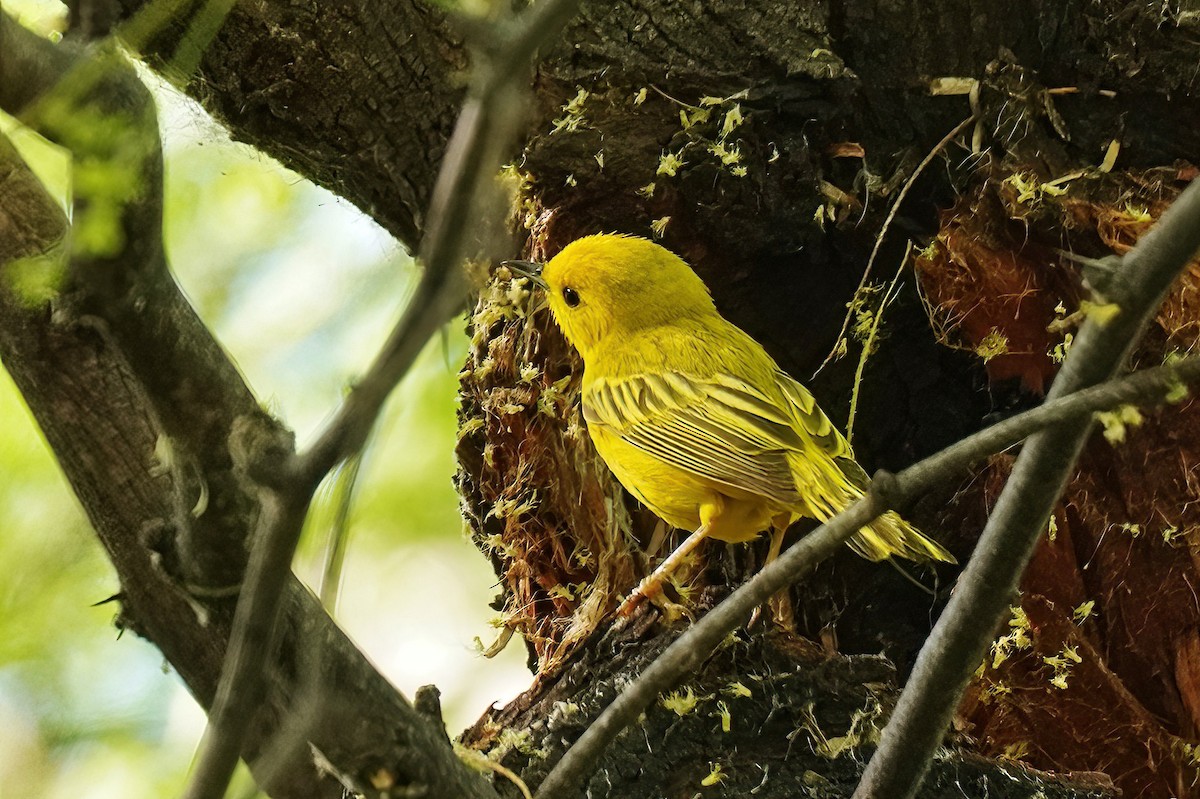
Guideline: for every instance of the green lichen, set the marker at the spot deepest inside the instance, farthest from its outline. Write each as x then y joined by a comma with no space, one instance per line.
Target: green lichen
1031,190
669,164
561,592
1083,611
516,740
1100,312
732,120
1138,213
690,117
1059,353
728,155
1172,535
716,775
36,280
572,113
992,345
1117,422
680,702
725,716
736,689
1062,664
1015,640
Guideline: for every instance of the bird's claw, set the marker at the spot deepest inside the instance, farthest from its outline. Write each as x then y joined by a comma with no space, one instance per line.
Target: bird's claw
652,590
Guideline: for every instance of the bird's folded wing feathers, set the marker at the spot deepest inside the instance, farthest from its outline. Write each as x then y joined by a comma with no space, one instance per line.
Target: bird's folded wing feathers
825,436
719,428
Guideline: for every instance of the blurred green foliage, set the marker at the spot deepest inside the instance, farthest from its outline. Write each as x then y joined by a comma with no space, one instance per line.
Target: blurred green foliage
301,289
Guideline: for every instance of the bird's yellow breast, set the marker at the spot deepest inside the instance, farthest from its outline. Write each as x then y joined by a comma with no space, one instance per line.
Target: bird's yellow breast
680,498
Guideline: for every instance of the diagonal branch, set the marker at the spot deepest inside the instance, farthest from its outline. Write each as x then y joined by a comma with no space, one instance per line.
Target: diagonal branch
960,639
699,641
101,424
124,367
486,128
91,102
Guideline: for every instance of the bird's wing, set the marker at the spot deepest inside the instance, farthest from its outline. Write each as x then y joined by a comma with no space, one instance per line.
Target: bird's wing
825,438
719,428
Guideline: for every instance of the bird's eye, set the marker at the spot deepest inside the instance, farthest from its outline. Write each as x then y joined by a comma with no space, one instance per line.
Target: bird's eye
570,296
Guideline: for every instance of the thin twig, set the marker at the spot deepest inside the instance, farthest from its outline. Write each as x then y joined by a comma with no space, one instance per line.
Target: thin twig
887,224
685,653
962,635
251,644
869,343
485,128
534,28
341,494
489,120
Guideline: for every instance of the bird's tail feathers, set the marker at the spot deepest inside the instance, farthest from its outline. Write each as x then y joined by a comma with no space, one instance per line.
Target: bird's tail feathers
889,536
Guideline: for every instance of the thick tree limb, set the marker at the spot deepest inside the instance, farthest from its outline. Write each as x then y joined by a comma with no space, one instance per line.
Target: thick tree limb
196,389
687,652
962,635
103,429
361,97
121,367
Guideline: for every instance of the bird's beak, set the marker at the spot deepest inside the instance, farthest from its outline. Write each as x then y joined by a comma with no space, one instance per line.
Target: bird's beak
528,269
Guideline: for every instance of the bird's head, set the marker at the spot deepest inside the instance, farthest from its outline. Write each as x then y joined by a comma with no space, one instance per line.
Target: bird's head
613,285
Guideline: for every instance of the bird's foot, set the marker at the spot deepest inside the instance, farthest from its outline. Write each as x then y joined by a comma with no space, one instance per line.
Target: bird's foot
646,589
671,611
651,589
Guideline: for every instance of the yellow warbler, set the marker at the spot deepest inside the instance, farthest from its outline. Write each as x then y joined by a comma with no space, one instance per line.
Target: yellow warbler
692,415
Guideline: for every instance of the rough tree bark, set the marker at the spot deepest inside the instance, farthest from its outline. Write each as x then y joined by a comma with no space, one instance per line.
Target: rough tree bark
764,142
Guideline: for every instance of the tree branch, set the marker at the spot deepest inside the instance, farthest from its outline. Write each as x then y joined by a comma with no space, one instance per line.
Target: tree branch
124,366
962,635
359,97
698,642
485,132
486,128
119,274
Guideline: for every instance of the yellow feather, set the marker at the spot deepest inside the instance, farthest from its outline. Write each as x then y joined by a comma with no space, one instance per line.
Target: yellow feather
691,414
